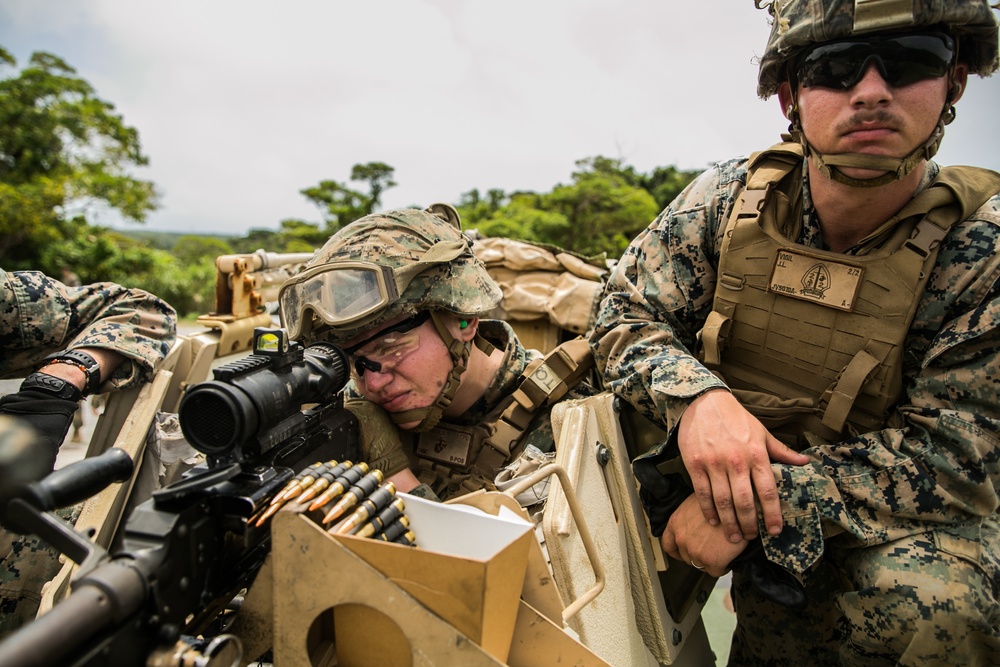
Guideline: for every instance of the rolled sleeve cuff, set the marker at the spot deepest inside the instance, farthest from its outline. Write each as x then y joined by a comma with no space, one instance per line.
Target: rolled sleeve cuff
799,546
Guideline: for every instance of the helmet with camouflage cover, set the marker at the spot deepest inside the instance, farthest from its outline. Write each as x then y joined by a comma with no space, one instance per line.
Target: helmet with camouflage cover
797,25
385,267
425,259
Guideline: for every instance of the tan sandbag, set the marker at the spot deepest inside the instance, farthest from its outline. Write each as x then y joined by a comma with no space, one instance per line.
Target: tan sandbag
563,298
538,284
573,303
523,256
580,267
516,255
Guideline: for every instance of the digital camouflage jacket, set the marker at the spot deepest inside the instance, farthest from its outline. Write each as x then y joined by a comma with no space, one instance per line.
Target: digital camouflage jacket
40,316
940,471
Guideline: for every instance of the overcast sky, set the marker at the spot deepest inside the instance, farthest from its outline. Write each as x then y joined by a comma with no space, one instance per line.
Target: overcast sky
242,103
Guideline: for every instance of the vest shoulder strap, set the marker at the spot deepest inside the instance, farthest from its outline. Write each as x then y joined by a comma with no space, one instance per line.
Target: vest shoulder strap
544,382
953,196
770,166
972,186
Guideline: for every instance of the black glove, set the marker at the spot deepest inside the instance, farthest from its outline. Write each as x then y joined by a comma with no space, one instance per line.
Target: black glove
48,415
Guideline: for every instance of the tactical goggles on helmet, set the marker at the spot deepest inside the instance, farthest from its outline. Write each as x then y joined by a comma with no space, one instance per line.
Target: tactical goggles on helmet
339,294
900,59
383,351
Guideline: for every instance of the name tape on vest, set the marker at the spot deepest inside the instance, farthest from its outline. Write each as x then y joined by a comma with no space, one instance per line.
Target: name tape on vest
802,276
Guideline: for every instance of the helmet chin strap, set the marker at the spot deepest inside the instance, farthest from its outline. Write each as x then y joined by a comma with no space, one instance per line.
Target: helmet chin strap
832,164
459,351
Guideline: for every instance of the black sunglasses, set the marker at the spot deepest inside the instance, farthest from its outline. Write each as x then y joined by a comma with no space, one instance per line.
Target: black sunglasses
361,364
901,60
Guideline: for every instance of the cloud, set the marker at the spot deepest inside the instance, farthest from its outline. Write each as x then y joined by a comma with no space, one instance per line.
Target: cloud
242,103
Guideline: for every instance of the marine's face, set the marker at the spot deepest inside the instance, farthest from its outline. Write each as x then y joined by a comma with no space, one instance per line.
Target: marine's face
851,107
400,370
872,117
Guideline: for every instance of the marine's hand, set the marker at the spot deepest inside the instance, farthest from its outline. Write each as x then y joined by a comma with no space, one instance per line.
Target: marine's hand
689,537
727,453
49,416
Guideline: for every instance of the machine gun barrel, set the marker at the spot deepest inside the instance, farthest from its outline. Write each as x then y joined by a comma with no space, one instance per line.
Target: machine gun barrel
107,596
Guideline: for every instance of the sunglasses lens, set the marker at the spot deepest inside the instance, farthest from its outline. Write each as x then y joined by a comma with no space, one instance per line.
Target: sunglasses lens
900,60
382,351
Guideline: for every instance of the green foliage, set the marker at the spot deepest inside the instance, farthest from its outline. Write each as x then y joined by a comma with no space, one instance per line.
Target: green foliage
168,240
665,183
191,249
341,205
378,176
292,236
64,153
102,255
604,210
525,217
604,207
474,208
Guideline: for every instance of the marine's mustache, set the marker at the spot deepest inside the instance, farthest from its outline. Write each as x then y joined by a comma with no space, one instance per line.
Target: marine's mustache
861,119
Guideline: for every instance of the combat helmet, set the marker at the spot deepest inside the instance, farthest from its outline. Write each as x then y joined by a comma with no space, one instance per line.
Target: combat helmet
387,266
799,24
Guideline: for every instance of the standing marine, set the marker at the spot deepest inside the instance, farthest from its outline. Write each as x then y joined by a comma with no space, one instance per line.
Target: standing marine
818,328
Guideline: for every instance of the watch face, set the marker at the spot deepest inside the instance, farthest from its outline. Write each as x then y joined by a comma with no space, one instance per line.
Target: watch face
52,385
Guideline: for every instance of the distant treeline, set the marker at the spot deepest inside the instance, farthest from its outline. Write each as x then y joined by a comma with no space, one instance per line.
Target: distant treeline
66,155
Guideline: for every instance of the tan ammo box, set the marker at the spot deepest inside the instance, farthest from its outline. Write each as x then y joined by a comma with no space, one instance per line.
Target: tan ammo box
454,600
468,570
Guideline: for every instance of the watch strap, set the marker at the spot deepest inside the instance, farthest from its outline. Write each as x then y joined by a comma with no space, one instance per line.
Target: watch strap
84,362
50,384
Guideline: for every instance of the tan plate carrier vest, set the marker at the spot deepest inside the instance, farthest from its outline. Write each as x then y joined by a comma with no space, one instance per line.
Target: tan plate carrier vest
452,456
811,341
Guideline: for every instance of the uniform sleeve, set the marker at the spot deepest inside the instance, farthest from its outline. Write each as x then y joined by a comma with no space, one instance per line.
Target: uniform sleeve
657,298
938,465
40,315
381,440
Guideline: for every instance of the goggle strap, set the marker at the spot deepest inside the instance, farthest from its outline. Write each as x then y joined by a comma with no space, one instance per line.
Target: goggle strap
459,351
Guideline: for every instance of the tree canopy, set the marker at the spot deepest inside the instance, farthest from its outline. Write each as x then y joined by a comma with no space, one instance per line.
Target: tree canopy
340,204
599,212
64,153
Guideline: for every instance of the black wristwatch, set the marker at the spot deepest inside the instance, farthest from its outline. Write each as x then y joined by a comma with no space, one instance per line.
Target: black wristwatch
84,362
50,384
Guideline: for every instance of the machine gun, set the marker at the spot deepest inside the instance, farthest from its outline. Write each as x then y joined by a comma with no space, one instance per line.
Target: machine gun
187,553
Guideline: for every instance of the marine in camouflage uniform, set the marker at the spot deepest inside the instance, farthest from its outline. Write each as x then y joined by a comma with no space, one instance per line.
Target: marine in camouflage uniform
893,530
40,316
392,450
429,272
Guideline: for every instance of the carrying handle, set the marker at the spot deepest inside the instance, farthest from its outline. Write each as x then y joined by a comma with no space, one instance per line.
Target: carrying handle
588,542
